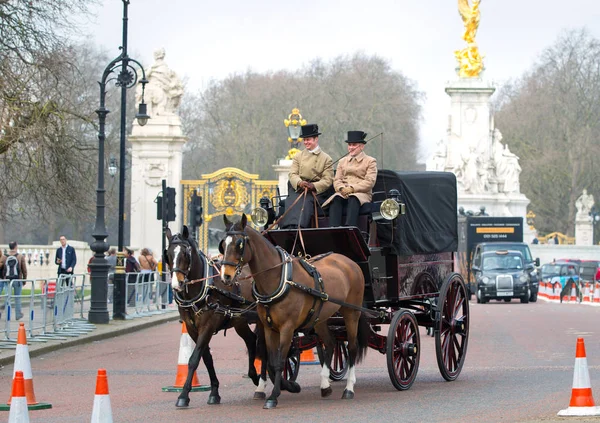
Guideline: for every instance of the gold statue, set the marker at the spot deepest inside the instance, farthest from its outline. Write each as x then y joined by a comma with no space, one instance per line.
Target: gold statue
469,60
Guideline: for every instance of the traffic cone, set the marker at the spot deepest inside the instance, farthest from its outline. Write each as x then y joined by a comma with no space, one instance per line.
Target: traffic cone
18,406
308,357
582,400
23,364
102,412
186,348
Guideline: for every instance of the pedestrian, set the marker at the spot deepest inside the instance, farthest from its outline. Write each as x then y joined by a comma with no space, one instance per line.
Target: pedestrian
131,264
556,241
311,172
147,261
131,267
535,241
111,258
65,258
354,181
14,271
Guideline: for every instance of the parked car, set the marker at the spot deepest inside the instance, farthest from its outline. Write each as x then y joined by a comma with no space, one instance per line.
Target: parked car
531,265
589,271
564,272
502,274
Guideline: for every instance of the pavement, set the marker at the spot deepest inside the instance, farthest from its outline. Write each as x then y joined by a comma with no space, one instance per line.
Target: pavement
101,331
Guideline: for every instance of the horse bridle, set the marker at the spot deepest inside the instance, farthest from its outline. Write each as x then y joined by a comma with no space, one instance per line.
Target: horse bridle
240,245
188,254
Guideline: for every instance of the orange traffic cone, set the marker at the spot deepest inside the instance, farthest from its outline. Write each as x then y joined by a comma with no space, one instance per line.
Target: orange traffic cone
23,364
18,406
102,412
308,357
186,348
582,401
258,365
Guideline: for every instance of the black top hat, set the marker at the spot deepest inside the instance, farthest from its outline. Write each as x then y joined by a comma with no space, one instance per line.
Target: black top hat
309,130
357,137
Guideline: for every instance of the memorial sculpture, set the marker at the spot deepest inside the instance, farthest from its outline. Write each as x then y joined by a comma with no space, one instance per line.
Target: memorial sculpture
469,60
584,205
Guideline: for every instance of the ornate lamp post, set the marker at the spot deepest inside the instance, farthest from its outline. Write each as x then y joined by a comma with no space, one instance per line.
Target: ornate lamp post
293,124
121,70
595,217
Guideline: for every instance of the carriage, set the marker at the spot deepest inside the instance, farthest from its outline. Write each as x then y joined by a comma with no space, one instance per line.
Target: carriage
408,264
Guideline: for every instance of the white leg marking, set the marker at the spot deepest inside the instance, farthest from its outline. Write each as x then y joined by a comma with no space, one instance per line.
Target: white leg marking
174,280
325,377
351,380
262,385
227,242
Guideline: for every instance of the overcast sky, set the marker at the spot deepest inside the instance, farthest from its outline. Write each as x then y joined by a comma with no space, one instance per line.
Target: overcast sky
207,40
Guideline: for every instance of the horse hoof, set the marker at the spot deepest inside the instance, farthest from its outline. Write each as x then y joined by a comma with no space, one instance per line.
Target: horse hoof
294,387
271,403
214,399
255,380
347,394
326,392
182,402
260,395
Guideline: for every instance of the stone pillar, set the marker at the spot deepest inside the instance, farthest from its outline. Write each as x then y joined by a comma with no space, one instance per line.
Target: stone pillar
156,155
584,234
282,170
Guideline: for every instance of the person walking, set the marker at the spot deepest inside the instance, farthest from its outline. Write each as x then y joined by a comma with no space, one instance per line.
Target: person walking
14,271
65,257
354,181
131,266
311,171
147,261
111,259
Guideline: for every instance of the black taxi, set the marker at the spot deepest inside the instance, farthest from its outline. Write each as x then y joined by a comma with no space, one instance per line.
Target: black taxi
501,275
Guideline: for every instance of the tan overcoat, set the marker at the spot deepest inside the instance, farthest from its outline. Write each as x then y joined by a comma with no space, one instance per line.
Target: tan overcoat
358,172
306,166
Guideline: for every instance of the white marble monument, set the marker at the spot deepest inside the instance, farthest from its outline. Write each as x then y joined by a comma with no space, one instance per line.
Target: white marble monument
584,228
156,155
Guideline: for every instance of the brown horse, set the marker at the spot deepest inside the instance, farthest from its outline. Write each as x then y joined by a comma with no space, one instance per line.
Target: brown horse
204,304
286,305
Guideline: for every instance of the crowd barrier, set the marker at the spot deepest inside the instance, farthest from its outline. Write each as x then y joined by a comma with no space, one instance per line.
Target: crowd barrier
56,308
582,292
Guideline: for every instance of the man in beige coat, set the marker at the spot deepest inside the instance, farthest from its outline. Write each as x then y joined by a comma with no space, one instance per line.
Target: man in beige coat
354,180
312,170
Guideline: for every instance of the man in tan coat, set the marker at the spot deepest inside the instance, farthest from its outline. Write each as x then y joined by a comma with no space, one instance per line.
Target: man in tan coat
354,180
312,170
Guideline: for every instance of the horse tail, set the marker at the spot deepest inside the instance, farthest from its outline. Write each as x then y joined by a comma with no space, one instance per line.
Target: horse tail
364,330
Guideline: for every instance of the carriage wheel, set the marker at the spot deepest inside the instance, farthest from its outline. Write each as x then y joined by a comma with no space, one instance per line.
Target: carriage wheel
339,362
292,365
452,329
403,349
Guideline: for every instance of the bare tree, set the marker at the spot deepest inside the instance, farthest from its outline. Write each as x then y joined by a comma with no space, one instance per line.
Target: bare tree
550,119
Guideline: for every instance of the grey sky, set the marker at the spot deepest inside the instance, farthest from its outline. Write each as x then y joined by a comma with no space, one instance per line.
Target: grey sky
207,40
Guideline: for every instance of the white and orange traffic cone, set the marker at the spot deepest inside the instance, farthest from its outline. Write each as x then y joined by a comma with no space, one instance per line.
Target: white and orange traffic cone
308,357
186,348
582,401
102,412
23,364
18,406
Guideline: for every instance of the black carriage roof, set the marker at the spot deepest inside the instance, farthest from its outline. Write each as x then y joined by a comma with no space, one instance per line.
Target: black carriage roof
430,223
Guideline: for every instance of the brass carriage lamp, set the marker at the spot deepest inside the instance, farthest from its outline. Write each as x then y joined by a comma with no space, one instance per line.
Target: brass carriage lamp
530,216
392,207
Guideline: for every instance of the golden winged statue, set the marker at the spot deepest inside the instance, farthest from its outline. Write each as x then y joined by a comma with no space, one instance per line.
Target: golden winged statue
469,60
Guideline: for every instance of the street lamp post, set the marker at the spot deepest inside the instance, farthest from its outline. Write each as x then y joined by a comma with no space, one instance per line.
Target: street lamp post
595,216
126,78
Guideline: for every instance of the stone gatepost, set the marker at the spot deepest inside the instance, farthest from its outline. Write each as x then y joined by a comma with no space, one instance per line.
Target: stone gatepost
584,228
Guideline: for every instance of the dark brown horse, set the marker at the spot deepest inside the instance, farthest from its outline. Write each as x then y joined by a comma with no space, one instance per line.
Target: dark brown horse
204,302
285,305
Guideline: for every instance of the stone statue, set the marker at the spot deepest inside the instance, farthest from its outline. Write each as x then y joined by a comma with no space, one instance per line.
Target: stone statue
438,161
469,60
164,89
471,173
584,205
508,169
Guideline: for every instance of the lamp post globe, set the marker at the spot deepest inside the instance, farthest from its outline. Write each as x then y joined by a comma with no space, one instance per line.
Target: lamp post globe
124,71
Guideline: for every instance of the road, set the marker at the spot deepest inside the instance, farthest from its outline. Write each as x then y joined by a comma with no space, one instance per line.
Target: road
519,368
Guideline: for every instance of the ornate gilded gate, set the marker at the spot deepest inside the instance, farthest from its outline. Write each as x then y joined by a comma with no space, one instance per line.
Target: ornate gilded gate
227,191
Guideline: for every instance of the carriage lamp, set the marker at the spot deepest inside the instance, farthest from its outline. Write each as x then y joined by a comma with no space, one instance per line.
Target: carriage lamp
112,166
389,209
259,216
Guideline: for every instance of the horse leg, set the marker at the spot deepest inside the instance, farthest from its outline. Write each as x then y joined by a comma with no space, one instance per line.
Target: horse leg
261,350
328,343
214,397
357,332
278,345
244,332
184,397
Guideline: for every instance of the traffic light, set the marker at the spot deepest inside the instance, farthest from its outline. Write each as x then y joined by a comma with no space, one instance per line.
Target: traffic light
195,211
169,197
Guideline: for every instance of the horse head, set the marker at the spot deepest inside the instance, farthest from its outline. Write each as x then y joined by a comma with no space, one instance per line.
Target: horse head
179,257
233,248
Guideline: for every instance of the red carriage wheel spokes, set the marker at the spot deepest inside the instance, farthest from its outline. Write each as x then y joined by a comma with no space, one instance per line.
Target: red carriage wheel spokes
452,334
339,361
403,349
291,366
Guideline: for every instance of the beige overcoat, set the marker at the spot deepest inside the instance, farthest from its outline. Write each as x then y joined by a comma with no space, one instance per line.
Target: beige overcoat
316,168
358,172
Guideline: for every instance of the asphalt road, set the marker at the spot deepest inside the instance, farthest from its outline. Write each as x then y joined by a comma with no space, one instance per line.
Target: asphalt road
519,368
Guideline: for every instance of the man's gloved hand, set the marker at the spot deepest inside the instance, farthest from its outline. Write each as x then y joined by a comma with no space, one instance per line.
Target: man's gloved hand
311,186
346,191
302,185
